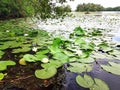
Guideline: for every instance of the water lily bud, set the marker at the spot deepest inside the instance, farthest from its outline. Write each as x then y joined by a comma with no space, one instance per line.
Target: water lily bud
26,34
34,49
79,52
45,60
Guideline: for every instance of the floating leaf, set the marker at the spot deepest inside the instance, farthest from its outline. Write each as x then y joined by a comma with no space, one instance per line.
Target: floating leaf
114,68
46,73
42,52
4,64
54,49
53,63
30,58
99,85
86,60
92,84
68,53
80,41
61,56
1,53
99,55
85,81
115,52
1,76
23,49
79,67
79,31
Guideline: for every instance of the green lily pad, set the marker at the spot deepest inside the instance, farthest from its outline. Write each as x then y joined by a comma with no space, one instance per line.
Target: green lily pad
53,63
92,84
61,56
99,85
114,68
115,52
86,60
42,52
79,31
4,64
1,76
46,73
79,67
54,49
30,58
68,53
1,54
23,49
85,81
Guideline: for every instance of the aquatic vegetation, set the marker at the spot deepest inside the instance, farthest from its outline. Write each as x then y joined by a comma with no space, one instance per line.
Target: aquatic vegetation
91,83
46,73
4,64
113,68
79,52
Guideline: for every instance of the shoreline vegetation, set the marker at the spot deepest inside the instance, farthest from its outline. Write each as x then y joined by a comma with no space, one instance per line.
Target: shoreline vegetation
43,9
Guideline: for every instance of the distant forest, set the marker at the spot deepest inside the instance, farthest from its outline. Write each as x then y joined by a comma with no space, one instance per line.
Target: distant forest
95,7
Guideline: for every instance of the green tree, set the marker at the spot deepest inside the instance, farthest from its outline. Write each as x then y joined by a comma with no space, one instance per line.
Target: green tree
24,8
89,7
60,10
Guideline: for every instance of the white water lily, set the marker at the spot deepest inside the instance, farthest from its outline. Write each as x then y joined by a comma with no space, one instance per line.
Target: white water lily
34,49
7,31
25,34
79,52
45,60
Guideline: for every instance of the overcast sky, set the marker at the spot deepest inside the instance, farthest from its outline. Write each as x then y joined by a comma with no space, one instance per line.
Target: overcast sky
105,3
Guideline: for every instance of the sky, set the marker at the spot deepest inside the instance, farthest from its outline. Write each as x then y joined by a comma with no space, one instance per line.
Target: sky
104,3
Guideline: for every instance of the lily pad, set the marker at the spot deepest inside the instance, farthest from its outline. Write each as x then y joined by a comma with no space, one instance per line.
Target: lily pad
23,49
79,67
46,73
86,60
92,84
79,31
54,49
30,58
114,68
4,64
61,56
85,81
1,54
53,63
99,85
1,76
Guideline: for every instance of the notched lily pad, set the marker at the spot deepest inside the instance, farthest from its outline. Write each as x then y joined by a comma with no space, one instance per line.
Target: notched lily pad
114,68
30,58
4,64
46,73
79,67
85,81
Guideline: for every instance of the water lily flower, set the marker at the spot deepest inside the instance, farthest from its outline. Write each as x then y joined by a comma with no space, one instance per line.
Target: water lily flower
79,52
45,60
25,34
7,31
34,49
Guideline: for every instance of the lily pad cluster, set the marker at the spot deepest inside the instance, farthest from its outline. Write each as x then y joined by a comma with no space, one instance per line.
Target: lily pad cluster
79,52
91,83
3,67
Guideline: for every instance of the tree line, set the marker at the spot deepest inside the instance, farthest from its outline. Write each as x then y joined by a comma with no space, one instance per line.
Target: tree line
95,7
25,8
43,8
